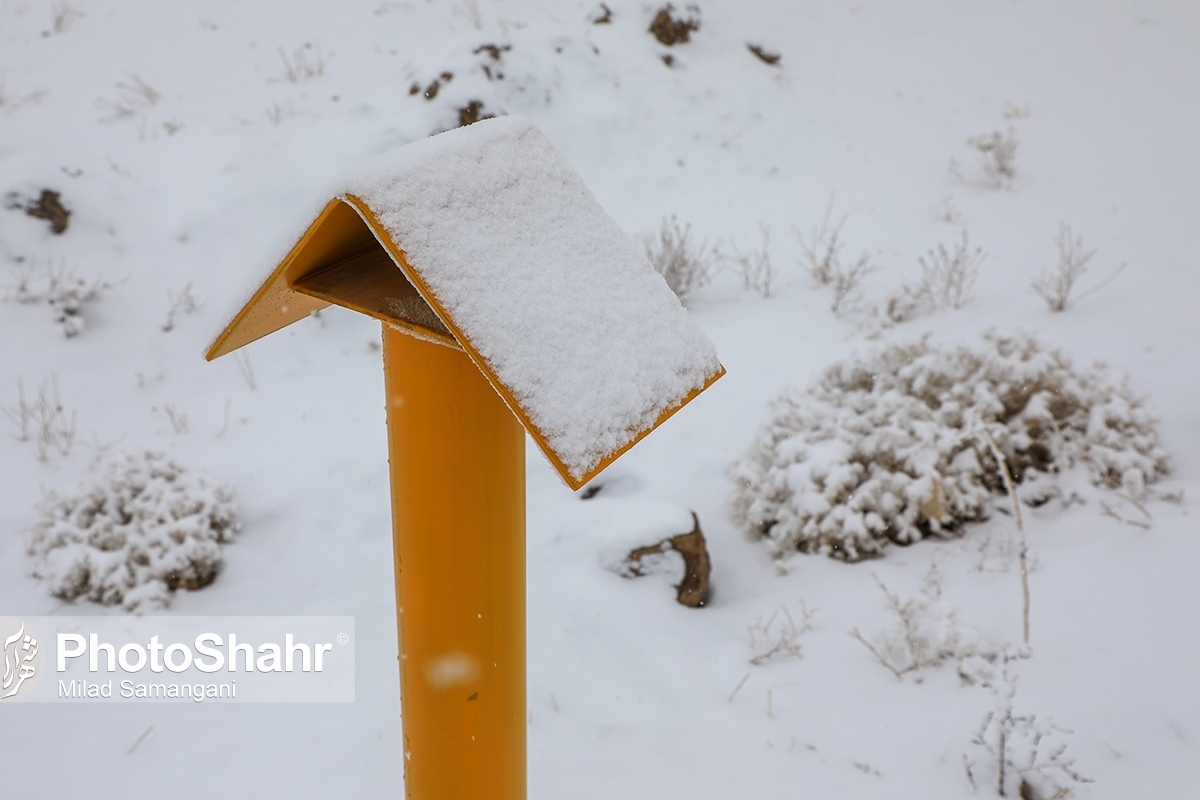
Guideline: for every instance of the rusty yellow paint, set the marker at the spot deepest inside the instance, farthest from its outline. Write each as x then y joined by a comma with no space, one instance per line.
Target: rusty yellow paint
458,501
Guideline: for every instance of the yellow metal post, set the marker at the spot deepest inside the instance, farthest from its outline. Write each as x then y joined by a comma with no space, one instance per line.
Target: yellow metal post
457,457
456,426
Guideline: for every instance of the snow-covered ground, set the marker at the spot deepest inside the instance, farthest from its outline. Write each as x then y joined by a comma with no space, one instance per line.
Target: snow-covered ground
190,140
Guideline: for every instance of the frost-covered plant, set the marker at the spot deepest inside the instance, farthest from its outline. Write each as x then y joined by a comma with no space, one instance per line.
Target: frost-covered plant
67,294
890,448
778,635
926,633
1055,287
1016,752
145,529
684,265
948,275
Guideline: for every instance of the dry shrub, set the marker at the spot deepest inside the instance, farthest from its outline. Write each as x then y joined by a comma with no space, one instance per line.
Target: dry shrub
671,30
44,420
997,160
65,291
891,448
431,91
948,274
768,639
1055,287
821,253
754,266
683,264
821,258
471,113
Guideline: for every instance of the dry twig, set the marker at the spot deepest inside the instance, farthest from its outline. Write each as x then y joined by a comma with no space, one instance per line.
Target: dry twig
1022,553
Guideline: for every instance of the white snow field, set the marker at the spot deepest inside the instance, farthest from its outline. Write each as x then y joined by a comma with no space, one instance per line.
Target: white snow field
192,141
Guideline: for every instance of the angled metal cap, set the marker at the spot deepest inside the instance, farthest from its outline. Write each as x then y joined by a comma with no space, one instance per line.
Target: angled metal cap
485,239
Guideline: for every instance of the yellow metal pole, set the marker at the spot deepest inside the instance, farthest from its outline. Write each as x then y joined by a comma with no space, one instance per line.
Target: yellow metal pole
457,457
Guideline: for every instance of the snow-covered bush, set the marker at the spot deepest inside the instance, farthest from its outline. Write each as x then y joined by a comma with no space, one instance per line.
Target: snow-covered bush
928,633
145,529
891,448
66,292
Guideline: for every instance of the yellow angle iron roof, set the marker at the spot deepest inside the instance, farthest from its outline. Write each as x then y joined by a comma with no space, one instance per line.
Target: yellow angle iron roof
485,239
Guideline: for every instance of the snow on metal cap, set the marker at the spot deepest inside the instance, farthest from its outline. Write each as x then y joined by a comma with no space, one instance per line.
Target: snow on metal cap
484,238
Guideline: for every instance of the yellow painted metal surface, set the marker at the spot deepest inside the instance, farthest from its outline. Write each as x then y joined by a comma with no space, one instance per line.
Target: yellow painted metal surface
456,445
458,492
343,259
340,252
336,234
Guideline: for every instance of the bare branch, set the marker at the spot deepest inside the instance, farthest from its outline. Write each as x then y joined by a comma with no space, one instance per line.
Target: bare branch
878,656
